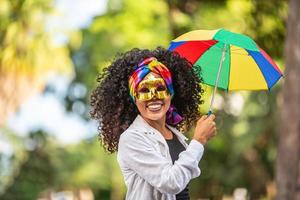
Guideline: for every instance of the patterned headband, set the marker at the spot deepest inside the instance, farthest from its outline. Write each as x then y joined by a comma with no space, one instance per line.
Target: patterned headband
143,69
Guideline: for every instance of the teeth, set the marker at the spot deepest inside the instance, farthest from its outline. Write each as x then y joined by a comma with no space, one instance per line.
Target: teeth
154,106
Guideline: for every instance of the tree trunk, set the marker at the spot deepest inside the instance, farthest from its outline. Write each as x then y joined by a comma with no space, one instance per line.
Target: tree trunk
288,160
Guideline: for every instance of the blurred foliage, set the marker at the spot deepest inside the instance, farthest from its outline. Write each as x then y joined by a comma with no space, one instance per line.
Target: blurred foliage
11,158
244,152
36,172
118,30
268,26
27,53
50,166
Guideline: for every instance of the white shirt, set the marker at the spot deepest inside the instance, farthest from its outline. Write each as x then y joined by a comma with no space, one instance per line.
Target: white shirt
149,174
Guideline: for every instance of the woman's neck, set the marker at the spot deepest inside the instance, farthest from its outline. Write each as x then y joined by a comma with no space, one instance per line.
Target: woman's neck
160,125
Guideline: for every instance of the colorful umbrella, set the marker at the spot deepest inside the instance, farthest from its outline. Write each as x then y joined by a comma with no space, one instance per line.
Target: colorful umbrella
227,60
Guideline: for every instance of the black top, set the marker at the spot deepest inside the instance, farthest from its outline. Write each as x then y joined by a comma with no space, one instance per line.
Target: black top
175,148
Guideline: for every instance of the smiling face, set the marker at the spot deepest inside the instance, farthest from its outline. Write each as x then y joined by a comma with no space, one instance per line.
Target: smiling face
153,99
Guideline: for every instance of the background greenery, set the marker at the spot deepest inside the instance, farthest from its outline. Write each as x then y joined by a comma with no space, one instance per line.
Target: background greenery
243,154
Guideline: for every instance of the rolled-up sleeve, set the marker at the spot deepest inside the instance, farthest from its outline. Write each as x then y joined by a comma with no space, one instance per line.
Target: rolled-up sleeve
140,156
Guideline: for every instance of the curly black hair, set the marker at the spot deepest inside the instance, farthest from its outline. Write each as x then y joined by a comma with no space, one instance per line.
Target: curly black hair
113,108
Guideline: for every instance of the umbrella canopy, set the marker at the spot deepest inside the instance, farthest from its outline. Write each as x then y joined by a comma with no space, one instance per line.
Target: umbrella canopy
228,60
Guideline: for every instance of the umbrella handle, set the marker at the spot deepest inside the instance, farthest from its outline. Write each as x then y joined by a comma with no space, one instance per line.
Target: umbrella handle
209,113
217,81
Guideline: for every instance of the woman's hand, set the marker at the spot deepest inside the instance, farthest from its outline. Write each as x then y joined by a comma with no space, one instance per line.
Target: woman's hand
205,129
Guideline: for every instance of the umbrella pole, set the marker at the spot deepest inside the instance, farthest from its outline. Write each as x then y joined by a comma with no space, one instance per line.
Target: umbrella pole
217,80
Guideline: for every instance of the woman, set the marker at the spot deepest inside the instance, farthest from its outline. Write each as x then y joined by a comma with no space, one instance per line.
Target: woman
142,101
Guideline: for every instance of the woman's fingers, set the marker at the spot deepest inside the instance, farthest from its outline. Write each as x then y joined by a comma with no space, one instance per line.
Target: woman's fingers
212,123
205,128
211,117
202,118
213,130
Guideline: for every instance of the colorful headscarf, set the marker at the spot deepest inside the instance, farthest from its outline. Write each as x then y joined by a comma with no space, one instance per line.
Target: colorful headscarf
143,69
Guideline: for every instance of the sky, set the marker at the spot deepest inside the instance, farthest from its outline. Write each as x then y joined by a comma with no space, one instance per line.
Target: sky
46,111
73,14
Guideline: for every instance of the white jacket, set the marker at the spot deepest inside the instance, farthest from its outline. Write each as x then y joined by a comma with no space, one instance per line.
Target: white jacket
149,174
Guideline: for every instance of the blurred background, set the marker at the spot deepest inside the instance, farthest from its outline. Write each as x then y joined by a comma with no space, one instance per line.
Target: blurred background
50,54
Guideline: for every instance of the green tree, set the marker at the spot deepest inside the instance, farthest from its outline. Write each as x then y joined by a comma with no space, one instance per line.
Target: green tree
11,159
87,165
27,57
27,53
35,174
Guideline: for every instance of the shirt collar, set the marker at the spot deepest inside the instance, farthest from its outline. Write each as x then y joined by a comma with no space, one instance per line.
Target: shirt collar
141,124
